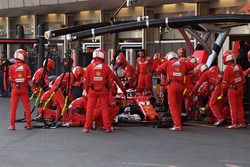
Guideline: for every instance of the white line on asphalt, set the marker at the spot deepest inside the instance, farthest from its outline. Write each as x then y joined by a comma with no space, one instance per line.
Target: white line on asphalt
201,125
146,164
239,162
230,165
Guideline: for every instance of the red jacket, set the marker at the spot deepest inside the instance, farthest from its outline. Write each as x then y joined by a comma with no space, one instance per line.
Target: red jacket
157,63
64,81
233,76
143,66
246,72
98,76
19,73
213,78
38,76
175,69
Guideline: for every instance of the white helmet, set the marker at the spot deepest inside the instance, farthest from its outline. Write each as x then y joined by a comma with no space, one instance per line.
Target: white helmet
130,93
203,67
20,54
135,117
99,53
171,55
200,69
124,117
227,56
193,60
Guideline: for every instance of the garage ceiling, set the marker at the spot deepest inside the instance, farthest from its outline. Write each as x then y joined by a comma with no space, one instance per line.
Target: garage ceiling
83,5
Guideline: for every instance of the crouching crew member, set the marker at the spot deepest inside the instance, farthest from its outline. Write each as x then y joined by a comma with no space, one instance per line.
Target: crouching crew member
213,77
40,78
19,76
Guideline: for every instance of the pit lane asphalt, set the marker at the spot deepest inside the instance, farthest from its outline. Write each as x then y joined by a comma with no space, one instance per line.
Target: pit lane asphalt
129,146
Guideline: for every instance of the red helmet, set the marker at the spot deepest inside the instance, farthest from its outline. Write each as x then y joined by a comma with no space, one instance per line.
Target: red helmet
171,55
227,56
181,52
99,53
215,69
50,64
20,54
78,72
120,59
200,69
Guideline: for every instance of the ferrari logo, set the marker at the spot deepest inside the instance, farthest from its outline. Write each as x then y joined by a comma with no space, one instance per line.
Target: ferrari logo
19,75
98,74
177,69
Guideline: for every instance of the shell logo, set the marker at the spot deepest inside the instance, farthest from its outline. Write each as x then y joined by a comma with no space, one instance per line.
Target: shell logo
98,73
19,75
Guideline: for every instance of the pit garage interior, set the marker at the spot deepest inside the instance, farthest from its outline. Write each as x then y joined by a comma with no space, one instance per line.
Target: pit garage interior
21,19
24,24
33,18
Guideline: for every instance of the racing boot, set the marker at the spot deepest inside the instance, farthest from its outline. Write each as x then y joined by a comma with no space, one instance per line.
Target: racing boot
176,128
241,126
109,130
28,127
233,126
85,130
218,122
11,127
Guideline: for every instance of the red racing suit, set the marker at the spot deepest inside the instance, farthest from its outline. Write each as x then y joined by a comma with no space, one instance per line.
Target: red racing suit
213,78
77,112
65,84
157,63
118,83
233,84
98,80
246,72
113,108
113,111
58,98
19,76
189,85
77,109
176,71
143,70
37,77
127,72
159,87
